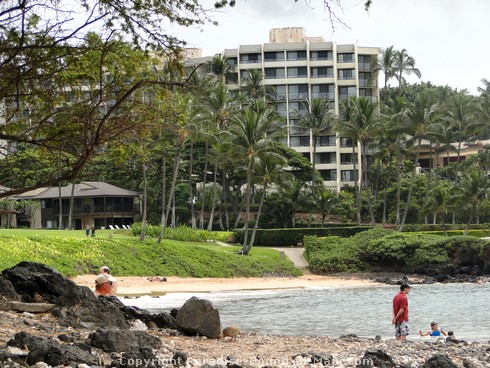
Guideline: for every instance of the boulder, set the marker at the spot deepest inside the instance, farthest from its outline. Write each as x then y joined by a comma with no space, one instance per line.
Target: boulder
439,361
199,317
160,320
376,358
118,341
50,351
75,305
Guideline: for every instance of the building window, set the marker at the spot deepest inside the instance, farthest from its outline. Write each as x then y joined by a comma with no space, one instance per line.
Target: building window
300,141
281,109
346,74
346,92
345,142
298,72
346,159
347,175
273,73
245,73
365,80
322,72
297,109
298,91
232,61
328,140
296,55
250,58
274,56
326,158
345,58
323,91
231,78
321,55
364,62
280,93
306,155
329,175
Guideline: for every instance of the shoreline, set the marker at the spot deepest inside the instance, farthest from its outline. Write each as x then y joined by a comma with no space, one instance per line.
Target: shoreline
138,285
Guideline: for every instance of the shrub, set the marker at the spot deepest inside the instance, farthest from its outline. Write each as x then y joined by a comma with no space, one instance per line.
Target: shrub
332,254
183,233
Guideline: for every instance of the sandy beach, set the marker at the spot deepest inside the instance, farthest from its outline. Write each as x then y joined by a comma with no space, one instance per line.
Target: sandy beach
131,285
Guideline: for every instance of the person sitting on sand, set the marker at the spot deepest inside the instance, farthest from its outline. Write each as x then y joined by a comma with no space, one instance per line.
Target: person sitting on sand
105,284
434,330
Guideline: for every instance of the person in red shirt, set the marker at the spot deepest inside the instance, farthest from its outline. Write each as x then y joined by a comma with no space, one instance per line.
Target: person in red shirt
400,313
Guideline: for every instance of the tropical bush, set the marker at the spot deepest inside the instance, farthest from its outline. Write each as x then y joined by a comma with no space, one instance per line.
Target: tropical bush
183,233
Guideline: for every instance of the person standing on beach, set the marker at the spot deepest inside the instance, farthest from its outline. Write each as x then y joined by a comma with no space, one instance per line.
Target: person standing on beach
400,313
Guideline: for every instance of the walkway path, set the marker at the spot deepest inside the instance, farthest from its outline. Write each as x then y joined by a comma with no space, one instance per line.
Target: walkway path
295,254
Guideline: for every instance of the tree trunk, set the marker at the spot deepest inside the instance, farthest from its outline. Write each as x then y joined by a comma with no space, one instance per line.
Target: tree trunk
191,192
366,182
213,203
248,194
356,184
203,195
60,202
410,189
257,219
172,191
72,200
145,201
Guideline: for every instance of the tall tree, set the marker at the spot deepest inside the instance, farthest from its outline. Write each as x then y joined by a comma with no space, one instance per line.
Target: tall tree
404,64
386,64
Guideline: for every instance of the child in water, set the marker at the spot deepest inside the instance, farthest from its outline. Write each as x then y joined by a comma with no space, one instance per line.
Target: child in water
434,330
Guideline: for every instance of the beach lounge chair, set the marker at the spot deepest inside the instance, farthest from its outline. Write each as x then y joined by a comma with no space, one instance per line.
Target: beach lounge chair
117,227
111,227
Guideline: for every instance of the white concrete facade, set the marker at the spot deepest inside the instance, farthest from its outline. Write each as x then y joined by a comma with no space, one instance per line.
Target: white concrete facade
299,69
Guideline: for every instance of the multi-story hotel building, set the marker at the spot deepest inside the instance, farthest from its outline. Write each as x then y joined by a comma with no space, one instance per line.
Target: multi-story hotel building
301,69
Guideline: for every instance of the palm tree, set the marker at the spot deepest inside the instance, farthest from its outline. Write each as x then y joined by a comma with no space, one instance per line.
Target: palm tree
420,117
474,188
404,64
386,64
220,68
480,127
253,133
270,170
360,123
319,121
460,116
438,203
254,87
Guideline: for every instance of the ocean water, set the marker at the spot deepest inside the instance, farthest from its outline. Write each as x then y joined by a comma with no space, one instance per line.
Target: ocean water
335,311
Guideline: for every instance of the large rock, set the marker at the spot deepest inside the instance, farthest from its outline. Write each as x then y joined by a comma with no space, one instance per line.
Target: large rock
376,358
161,320
75,305
199,317
439,361
50,351
116,341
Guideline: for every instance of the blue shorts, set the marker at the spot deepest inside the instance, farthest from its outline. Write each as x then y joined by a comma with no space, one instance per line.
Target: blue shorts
401,329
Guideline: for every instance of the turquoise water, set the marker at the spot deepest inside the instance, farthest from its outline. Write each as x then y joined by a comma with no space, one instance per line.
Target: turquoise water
334,311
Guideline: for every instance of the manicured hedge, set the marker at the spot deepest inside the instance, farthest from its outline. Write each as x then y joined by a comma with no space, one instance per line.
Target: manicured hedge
288,237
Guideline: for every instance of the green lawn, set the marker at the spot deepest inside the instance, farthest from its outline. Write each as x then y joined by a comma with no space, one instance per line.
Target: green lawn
72,253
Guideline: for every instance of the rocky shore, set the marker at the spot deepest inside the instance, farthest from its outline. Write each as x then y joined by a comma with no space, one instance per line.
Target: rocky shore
47,320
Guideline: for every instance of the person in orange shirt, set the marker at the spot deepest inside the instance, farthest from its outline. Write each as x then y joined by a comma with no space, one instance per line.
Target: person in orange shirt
105,284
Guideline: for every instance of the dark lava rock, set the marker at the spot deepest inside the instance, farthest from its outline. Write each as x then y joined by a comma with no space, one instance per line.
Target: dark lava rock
179,359
199,317
160,320
118,341
376,358
323,359
439,361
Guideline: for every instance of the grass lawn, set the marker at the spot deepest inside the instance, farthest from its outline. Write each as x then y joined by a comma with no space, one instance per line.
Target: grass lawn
72,253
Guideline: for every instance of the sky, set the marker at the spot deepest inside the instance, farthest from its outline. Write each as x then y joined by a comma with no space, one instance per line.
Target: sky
449,39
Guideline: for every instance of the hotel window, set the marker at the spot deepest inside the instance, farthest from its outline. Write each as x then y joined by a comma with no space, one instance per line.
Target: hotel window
365,80
364,62
346,159
296,55
297,109
298,72
345,142
346,92
322,72
326,158
323,91
328,140
245,73
298,91
346,74
281,109
329,175
280,93
233,61
299,141
345,58
274,56
273,73
321,55
347,175
250,58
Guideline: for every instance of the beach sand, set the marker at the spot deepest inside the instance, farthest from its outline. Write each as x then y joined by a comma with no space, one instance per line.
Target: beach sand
131,285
